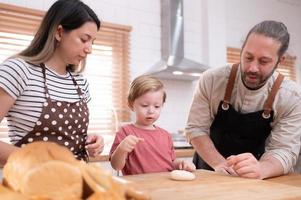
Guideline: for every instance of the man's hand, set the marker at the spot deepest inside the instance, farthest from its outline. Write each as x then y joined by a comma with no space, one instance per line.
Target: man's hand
245,165
128,144
225,169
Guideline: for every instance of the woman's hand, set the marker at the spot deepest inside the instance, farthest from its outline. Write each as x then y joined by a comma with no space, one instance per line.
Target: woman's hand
7,102
94,145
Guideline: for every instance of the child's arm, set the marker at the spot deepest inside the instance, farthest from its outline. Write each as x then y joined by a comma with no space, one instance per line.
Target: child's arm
119,156
183,165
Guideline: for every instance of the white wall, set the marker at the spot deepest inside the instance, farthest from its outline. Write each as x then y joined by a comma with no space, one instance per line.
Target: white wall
210,26
174,113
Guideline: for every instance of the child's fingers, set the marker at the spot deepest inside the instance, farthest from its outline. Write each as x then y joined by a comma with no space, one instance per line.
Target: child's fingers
190,168
186,166
129,143
180,166
136,140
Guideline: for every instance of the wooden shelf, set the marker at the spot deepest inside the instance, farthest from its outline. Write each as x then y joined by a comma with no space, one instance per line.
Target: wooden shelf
180,153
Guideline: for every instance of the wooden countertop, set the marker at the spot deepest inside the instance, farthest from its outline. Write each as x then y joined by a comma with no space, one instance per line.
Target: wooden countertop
180,153
212,185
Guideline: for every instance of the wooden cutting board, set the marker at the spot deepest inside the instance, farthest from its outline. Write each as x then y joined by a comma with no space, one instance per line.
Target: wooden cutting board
211,185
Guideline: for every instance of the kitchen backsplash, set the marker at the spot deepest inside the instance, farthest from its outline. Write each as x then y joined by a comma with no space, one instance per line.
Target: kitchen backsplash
175,111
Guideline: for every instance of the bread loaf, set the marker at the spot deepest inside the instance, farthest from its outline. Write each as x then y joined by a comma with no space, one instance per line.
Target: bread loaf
40,167
7,194
53,180
47,171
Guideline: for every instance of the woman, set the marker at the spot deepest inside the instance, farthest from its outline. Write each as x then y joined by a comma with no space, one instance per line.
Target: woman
41,91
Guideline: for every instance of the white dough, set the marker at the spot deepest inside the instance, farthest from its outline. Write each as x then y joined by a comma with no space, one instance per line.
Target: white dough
181,175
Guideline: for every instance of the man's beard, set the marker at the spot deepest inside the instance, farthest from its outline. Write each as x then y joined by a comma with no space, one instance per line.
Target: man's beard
261,80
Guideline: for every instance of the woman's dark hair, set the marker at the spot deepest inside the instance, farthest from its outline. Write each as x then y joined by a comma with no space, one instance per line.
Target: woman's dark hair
70,14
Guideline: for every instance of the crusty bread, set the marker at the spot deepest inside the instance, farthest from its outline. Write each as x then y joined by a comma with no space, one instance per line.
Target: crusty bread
53,180
31,156
104,196
107,187
47,171
7,194
101,182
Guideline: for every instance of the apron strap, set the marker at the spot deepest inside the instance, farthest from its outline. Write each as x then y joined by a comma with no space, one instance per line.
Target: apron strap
42,65
79,91
269,102
230,86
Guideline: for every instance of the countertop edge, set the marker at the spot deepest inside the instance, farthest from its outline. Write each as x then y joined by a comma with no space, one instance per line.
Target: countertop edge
180,153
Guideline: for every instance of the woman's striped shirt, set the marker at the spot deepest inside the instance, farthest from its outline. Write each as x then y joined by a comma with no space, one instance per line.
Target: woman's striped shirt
25,83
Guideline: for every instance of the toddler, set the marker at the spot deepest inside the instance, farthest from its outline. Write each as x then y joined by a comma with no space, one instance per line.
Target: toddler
143,147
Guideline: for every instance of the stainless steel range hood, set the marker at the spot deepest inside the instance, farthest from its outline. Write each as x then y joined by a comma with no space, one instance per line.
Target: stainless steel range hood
173,64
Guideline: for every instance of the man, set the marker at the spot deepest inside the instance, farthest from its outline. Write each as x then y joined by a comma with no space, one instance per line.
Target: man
248,123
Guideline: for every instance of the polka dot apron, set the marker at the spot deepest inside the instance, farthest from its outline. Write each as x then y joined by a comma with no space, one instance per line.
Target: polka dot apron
62,122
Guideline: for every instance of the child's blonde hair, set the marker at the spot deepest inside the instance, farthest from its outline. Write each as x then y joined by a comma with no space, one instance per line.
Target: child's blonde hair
143,84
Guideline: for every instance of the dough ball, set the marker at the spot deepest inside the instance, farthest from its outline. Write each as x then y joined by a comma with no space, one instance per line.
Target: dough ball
181,175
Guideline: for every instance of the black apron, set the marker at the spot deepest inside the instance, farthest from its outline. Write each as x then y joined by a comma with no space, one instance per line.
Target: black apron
234,133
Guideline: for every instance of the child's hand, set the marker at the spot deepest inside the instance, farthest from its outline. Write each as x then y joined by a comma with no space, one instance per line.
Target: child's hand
184,165
128,144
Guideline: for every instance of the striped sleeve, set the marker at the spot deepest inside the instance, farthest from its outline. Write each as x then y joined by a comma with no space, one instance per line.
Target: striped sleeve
13,78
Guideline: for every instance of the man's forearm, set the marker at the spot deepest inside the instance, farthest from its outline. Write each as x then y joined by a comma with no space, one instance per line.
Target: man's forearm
270,167
206,149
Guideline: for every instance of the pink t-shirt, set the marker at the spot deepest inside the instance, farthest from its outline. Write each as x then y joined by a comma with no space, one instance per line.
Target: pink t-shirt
154,154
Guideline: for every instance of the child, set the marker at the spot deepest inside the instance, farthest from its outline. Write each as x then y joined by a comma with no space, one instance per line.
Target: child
143,147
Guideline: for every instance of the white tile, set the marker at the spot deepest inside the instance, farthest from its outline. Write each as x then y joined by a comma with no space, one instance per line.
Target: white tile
117,3
151,18
4,1
145,5
150,30
121,15
35,4
17,2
